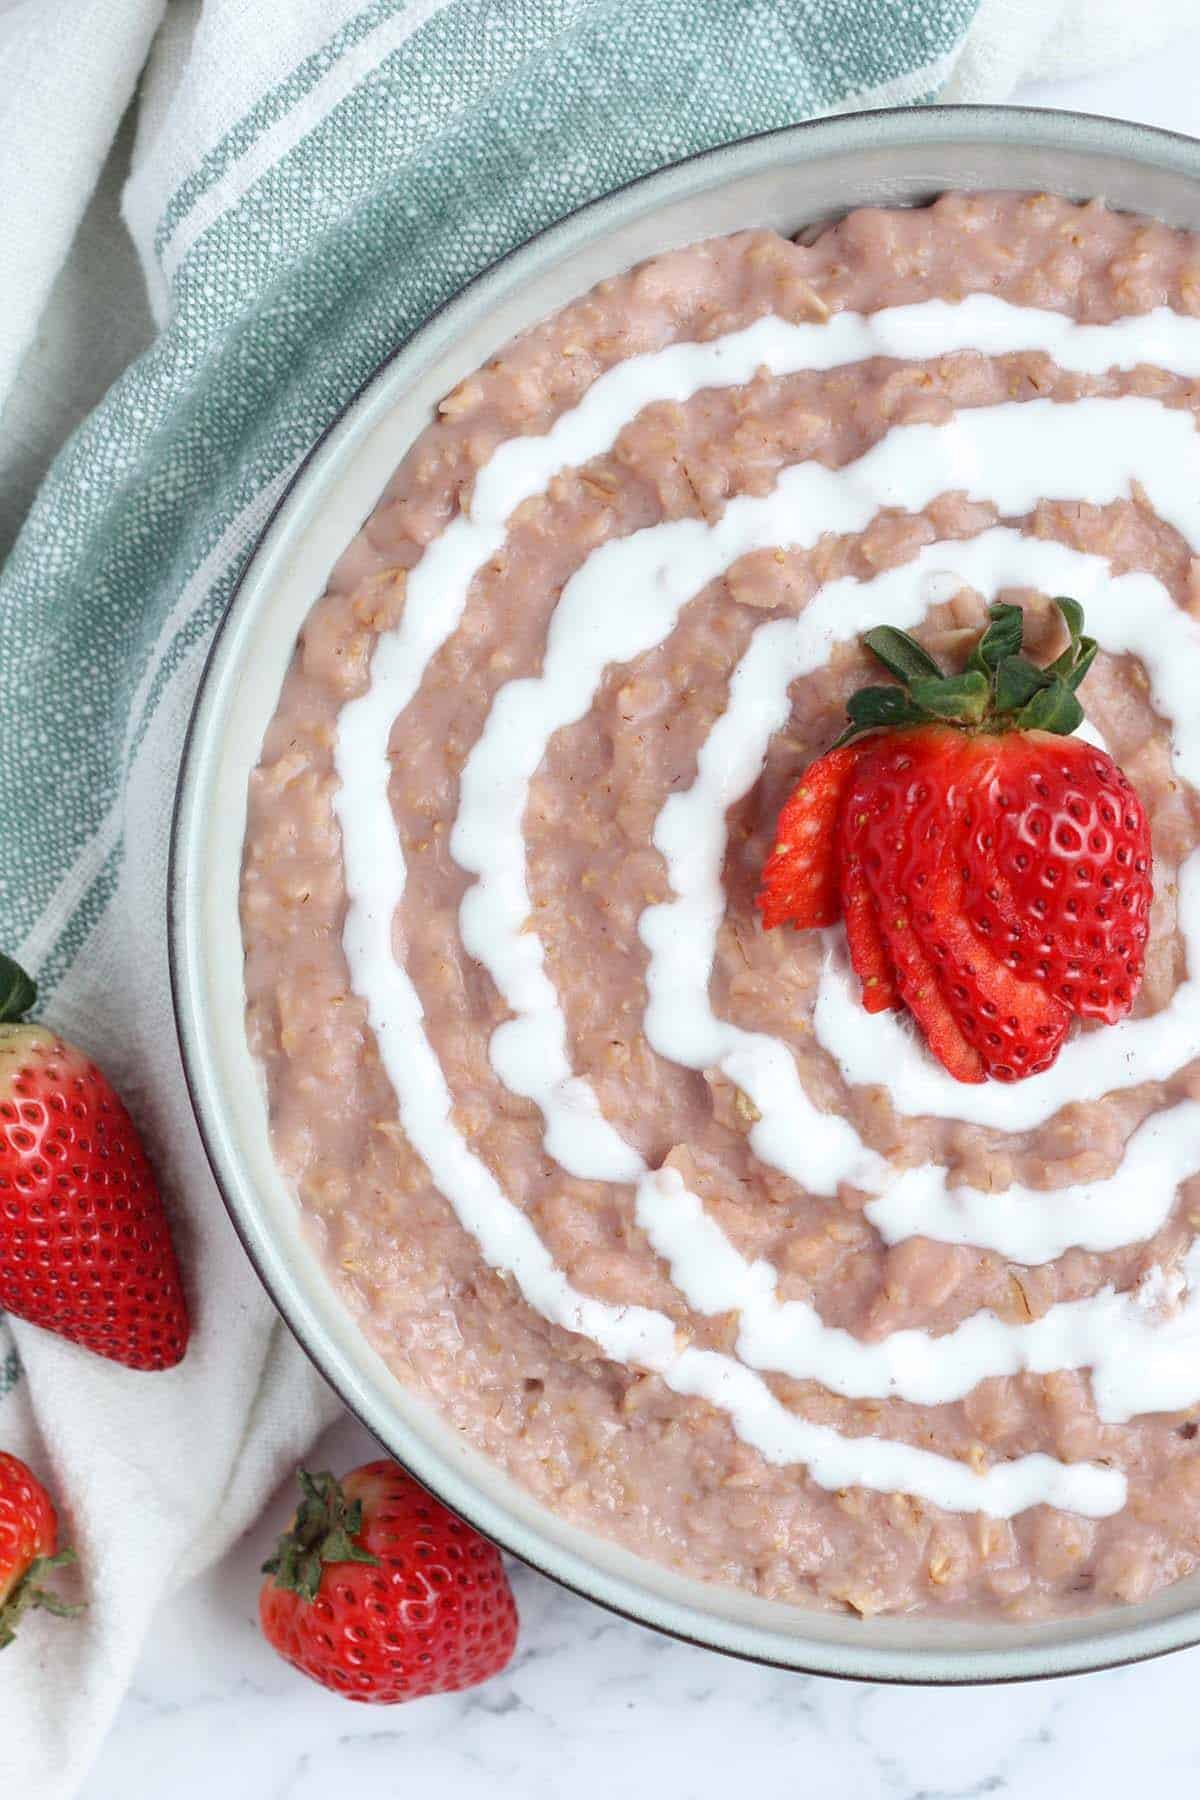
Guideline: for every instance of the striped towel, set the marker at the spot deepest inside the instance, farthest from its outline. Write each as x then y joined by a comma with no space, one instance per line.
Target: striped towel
311,178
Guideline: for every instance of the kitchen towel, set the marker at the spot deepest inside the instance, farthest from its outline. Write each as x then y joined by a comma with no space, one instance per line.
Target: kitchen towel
310,178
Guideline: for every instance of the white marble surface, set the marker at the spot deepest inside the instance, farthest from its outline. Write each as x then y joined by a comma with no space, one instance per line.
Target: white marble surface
625,1710
592,1705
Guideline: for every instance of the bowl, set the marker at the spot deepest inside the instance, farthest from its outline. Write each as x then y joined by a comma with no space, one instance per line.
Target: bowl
788,179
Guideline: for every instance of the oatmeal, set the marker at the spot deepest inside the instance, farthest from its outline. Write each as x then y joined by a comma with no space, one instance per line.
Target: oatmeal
712,1261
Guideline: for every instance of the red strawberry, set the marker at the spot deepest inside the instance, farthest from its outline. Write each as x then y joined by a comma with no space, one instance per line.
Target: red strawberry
994,872
908,787
28,1547
84,1245
800,879
882,836
1058,881
381,1594
884,832
864,934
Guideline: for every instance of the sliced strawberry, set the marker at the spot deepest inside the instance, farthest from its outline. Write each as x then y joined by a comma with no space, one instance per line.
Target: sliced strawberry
894,778
868,952
1058,875
800,877
994,872
1016,1026
921,991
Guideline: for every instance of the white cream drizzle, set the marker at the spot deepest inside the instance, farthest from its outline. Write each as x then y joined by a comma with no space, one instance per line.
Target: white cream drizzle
656,572
1090,1065
1009,454
681,934
1035,1225
818,1149
1139,1363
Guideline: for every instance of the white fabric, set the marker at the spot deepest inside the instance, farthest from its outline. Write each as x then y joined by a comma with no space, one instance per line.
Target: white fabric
185,1459
1054,40
96,320
67,71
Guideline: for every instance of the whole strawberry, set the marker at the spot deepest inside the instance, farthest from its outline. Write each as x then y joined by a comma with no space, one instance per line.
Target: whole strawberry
994,872
381,1594
84,1245
28,1547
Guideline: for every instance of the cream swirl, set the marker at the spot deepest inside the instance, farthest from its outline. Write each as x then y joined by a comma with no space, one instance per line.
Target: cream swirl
1010,454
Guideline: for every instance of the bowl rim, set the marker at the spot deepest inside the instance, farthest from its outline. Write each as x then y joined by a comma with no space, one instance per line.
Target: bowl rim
1138,1641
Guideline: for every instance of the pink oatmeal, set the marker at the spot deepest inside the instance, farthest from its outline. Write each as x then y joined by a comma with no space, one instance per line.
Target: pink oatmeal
605,1442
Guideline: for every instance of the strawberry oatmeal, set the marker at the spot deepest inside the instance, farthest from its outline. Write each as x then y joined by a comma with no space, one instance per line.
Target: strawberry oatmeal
811,1205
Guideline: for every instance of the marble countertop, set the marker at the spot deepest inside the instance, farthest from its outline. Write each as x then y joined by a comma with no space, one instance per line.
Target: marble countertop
213,1712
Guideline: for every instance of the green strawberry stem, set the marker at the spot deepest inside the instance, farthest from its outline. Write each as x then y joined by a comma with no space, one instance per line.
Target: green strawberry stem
999,690
17,992
323,1531
29,1594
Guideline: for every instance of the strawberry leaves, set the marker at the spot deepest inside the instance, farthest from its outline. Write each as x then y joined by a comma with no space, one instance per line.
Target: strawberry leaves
1017,681
900,654
17,992
999,690
959,699
29,1596
1080,653
324,1530
1001,641
878,709
1053,708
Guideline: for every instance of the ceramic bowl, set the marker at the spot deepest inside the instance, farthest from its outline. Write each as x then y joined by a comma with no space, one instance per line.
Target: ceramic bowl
788,179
